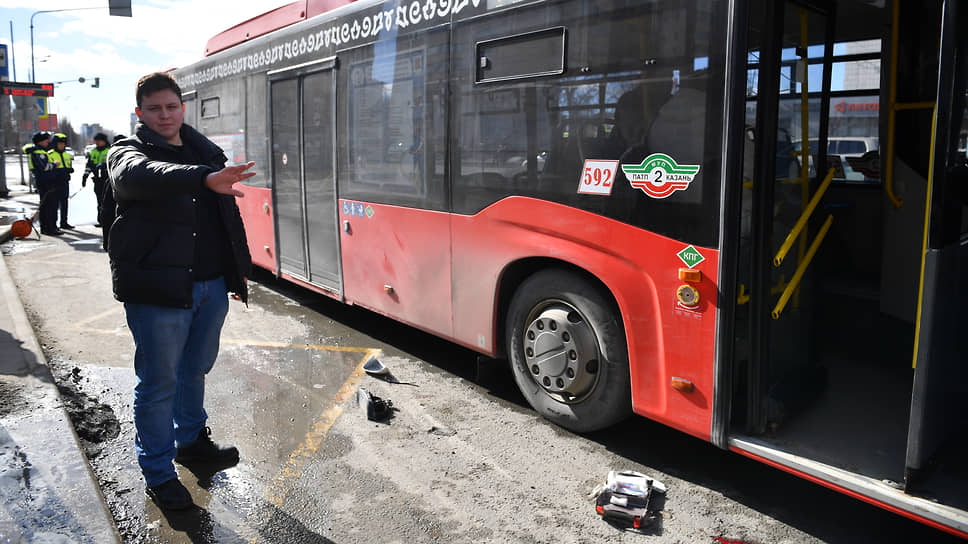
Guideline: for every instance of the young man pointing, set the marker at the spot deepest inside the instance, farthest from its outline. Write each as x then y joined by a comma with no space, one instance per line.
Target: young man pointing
177,247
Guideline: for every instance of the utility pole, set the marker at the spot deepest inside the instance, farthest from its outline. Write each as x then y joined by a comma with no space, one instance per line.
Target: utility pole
119,8
4,75
13,69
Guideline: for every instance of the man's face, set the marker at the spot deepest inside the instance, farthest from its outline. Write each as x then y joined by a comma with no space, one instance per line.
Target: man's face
163,112
61,146
44,142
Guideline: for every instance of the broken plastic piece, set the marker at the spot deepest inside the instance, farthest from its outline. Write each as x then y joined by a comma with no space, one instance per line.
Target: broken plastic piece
373,366
377,369
626,496
377,409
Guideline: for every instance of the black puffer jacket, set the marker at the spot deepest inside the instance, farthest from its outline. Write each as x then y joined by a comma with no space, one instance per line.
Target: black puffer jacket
151,241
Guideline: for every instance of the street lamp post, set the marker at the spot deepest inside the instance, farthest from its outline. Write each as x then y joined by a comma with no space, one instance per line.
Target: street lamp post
33,73
120,8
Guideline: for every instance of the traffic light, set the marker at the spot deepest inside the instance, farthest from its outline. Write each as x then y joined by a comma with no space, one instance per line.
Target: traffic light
97,82
120,8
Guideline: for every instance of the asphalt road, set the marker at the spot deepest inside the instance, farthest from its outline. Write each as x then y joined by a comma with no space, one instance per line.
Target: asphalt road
464,459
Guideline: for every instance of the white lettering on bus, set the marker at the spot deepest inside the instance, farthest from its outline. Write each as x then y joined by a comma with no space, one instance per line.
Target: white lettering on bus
362,27
377,23
388,19
415,12
429,8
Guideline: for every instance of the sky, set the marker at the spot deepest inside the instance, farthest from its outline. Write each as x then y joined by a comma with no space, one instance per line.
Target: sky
161,34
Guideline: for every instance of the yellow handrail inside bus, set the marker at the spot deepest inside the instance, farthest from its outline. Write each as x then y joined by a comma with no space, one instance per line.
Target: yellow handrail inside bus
798,275
924,241
893,107
742,297
802,221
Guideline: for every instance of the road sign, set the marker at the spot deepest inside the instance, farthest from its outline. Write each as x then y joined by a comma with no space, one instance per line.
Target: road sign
49,123
16,88
4,71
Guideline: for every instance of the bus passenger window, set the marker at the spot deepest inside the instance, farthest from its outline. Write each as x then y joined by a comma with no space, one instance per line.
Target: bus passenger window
391,140
210,108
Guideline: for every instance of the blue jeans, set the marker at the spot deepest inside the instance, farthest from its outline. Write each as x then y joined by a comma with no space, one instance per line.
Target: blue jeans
174,350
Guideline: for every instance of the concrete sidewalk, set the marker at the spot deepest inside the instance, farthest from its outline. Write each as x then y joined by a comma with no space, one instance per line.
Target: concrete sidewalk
47,490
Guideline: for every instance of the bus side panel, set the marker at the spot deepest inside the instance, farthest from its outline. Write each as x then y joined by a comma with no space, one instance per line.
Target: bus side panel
256,209
665,339
396,261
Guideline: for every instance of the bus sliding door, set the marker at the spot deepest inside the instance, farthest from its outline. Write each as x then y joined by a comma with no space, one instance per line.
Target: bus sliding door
777,303
302,117
939,410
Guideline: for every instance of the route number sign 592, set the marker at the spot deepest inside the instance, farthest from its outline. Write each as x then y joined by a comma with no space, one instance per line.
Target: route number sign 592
597,177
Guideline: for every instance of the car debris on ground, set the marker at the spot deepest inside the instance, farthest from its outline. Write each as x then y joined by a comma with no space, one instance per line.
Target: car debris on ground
626,496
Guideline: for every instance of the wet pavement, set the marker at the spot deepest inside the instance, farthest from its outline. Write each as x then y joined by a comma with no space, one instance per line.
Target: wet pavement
47,490
463,459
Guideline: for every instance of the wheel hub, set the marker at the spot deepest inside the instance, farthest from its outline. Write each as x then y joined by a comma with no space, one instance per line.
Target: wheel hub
561,351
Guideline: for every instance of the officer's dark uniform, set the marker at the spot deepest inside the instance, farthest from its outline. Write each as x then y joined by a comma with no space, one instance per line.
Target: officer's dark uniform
43,172
61,160
96,167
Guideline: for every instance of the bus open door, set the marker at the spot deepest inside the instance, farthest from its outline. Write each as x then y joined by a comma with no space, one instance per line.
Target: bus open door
829,266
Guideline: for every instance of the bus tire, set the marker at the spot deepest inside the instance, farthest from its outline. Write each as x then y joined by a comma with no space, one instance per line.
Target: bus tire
567,351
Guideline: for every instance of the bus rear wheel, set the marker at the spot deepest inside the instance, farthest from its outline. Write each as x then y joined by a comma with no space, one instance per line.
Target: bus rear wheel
567,351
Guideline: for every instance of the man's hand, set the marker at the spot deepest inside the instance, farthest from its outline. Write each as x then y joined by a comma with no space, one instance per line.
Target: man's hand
222,181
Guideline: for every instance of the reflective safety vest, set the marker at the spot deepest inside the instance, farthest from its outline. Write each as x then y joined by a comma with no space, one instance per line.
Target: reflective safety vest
31,150
60,159
98,156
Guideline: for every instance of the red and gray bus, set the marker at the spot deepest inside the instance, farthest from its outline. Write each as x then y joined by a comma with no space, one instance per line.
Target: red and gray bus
625,200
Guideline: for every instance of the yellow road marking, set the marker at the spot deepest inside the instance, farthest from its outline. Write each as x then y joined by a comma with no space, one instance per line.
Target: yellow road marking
267,344
79,326
277,491
51,260
95,317
61,254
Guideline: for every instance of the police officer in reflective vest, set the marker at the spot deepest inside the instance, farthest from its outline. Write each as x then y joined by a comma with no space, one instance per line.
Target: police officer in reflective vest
43,173
96,167
39,147
62,175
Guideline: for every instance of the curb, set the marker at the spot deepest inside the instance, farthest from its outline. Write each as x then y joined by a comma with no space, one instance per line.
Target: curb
59,460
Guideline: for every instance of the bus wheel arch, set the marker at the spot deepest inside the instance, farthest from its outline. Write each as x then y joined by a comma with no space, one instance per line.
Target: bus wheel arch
565,343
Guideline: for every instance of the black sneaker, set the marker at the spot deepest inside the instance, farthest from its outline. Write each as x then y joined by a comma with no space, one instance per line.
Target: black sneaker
203,449
170,495
52,232
66,226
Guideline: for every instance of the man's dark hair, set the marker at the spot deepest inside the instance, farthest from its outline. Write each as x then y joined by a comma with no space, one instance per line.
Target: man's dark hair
155,82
